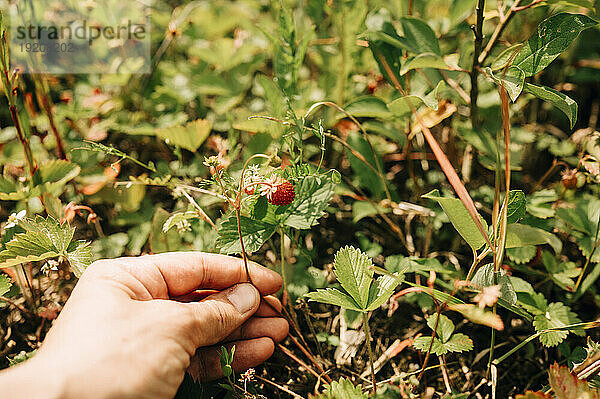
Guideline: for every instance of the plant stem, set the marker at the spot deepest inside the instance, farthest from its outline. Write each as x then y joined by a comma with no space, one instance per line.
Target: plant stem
478,30
498,31
282,258
243,250
371,360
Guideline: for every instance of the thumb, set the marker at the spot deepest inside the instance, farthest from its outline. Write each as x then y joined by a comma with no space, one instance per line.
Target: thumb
218,315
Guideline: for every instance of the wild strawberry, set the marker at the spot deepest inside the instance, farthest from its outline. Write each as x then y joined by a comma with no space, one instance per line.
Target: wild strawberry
569,178
282,194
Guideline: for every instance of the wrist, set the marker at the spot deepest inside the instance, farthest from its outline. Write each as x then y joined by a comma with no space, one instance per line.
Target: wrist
35,378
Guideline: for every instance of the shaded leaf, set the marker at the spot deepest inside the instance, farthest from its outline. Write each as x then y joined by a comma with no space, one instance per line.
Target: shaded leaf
425,60
557,314
254,233
335,297
189,136
516,206
5,284
368,107
420,36
552,37
460,219
177,218
561,101
522,235
402,106
513,79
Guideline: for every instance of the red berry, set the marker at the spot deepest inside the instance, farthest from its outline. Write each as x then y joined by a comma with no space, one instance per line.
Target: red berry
283,195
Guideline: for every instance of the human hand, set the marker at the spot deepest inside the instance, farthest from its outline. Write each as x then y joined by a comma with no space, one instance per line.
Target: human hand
133,326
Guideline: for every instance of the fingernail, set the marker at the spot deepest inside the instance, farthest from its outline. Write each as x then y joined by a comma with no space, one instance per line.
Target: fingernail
243,297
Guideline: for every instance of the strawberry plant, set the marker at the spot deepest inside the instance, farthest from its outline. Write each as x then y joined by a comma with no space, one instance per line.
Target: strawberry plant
423,174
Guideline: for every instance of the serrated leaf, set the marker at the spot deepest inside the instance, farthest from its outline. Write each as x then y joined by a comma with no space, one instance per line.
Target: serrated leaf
254,234
521,255
516,206
484,277
402,106
56,173
354,271
561,101
342,389
423,343
445,327
551,38
45,239
459,343
79,257
177,218
460,219
381,290
522,235
557,314
420,36
539,203
5,284
566,385
335,297
189,136
313,194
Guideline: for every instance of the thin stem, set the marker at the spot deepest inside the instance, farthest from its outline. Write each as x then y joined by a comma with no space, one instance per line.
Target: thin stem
371,357
243,250
282,258
498,31
445,373
478,30
587,263
203,214
492,343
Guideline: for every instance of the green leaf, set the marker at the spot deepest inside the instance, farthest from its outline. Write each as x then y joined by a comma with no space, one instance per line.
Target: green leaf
566,385
342,389
57,172
368,107
459,343
514,80
460,219
159,241
385,44
335,297
539,204
189,136
421,37
557,315
354,271
522,235
254,234
45,239
445,327
177,218
478,315
552,37
505,56
521,255
79,257
425,60
5,284
567,105
461,10
313,194
402,106
363,209
423,343
484,277
516,206
381,291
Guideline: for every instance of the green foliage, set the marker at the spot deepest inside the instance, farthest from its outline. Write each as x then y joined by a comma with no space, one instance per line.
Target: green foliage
45,239
5,284
460,219
445,340
354,271
342,389
552,37
189,136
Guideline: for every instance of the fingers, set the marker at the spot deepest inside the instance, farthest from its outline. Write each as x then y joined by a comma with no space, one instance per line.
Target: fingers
178,273
275,328
205,364
219,315
269,307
